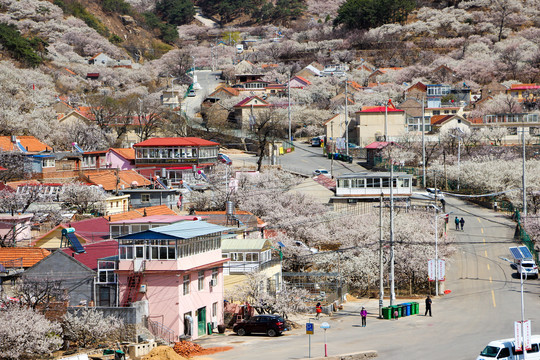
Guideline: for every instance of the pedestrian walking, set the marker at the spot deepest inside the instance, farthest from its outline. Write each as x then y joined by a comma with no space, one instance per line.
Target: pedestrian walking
462,222
428,306
318,310
456,220
363,314
396,314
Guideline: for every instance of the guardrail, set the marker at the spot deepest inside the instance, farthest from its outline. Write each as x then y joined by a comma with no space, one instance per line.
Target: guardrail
161,332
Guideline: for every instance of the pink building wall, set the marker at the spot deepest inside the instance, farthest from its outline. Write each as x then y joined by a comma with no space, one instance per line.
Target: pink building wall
116,161
22,230
164,290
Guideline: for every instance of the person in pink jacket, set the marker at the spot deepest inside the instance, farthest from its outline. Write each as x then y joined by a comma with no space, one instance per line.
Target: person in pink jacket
363,314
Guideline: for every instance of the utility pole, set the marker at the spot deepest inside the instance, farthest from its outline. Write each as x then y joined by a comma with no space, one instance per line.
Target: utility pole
436,251
423,146
524,174
289,106
346,120
392,260
381,277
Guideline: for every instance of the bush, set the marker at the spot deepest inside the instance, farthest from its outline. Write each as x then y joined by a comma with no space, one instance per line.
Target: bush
25,333
116,6
20,48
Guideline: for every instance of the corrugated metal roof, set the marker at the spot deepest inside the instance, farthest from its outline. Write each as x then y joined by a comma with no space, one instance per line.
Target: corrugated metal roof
188,229
244,244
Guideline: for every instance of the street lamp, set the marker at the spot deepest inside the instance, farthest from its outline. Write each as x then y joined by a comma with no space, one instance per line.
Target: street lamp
458,152
437,209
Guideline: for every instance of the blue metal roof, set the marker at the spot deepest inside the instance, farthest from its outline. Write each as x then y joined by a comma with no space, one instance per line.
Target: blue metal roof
179,230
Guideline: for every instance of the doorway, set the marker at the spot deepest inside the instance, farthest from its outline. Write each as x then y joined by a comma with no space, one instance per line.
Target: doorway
201,321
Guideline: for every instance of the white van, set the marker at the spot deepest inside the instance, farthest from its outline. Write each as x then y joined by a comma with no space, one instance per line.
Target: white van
505,349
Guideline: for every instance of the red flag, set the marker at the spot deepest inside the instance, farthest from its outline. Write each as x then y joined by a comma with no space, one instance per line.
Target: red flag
33,86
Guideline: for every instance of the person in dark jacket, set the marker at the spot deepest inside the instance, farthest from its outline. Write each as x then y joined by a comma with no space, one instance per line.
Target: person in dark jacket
462,222
428,306
456,220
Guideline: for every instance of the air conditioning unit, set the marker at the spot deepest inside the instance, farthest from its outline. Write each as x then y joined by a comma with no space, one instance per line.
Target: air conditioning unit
142,289
213,283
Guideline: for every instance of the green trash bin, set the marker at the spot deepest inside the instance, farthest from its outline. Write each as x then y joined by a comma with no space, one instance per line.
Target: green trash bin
394,308
330,155
350,159
415,308
387,313
209,326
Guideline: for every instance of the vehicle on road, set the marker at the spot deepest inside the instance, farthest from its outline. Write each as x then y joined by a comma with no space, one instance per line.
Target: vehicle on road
316,141
528,268
440,194
506,349
271,325
191,93
321,172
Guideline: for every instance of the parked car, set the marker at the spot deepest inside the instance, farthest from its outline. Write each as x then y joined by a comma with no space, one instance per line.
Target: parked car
316,141
321,172
528,268
506,349
440,194
191,93
272,325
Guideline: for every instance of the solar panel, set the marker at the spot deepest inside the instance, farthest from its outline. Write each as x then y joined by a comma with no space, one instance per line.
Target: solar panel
525,251
75,243
516,253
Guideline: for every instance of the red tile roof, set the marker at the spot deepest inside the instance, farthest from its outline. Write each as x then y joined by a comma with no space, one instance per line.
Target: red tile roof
244,103
30,255
94,252
92,230
30,143
2,168
439,119
137,213
126,153
107,178
524,87
377,145
378,109
420,86
176,141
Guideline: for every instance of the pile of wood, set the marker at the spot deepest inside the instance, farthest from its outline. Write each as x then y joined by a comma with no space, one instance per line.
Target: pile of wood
187,348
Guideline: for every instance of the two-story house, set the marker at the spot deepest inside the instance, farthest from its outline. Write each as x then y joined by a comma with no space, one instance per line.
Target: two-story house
178,269
174,158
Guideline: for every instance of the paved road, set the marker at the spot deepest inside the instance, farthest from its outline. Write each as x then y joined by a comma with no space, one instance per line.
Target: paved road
483,304
208,82
304,159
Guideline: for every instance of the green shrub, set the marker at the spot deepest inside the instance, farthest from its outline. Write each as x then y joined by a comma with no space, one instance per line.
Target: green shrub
116,6
72,7
21,48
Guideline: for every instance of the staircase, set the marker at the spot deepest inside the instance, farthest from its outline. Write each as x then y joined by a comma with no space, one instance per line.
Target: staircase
161,332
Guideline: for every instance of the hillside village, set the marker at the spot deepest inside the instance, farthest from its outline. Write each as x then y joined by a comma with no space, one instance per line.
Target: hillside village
125,125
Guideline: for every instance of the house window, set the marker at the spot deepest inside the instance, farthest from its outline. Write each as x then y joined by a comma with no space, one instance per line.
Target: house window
145,198
200,280
436,112
214,309
48,162
185,285
215,273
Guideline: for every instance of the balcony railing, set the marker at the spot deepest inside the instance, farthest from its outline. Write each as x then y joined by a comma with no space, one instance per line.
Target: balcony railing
241,267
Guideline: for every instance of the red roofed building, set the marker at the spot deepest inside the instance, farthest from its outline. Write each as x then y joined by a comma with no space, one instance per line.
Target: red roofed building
24,144
247,109
175,155
376,123
524,91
